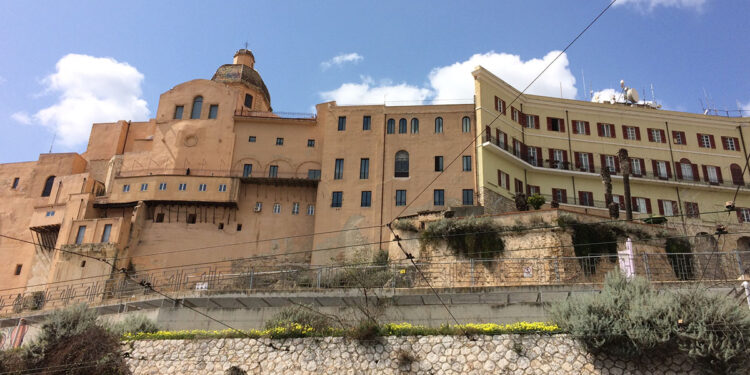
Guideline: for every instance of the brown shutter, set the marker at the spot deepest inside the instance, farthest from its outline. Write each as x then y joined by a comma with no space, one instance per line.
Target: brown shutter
700,144
684,138
505,140
612,131
650,135
549,123
637,133
536,121
678,169
724,143
588,129
624,132
507,181
591,162
497,108
643,167
497,137
551,157
648,205
669,169
660,203
564,195
599,130
718,175
705,173
663,136
674,134
581,194
696,176
634,204
565,159
539,157
561,124
736,144
739,215
603,159
654,166
522,118
577,160
713,143
554,193
488,133
617,165
499,178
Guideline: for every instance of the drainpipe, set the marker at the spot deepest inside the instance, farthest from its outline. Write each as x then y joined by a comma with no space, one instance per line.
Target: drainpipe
382,180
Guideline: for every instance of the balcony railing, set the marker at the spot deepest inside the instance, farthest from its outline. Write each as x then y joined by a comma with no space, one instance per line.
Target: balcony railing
541,161
293,115
214,173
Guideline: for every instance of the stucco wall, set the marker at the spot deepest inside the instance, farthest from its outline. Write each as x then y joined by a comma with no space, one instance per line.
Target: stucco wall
506,354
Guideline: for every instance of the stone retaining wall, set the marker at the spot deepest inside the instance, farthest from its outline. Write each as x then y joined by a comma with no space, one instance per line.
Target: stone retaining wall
503,354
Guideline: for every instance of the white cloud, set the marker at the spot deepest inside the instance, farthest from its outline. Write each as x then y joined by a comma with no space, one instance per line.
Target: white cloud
454,83
342,59
649,5
607,95
91,89
367,92
21,117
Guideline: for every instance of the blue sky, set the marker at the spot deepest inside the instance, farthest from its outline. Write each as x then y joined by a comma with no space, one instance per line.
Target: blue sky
398,51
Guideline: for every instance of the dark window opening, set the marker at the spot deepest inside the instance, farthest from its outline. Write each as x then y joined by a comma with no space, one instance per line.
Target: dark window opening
251,138
48,186
279,141
439,197
248,100
400,197
310,143
221,226
468,197
159,218
83,263
391,127
366,120
213,111
438,163
106,232
338,172
337,199
402,164
197,105
313,174
15,183
18,269
364,168
239,227
342,123
178,112
273,171
191,218
366,199
247,170
402,126
81,234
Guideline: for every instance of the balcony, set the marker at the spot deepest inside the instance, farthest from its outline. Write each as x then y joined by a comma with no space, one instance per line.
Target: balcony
244,112
195,188
568,166
282,178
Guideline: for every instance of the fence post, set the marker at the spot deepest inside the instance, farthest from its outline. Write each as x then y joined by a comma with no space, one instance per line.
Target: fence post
320,271
471,261
252,274
739,262
557,270
645,264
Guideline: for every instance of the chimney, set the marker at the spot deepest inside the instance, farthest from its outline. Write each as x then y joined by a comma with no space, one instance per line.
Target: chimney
244,57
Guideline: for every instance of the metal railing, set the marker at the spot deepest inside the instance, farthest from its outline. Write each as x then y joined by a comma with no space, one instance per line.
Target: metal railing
541,161
212,173
721,268
293,115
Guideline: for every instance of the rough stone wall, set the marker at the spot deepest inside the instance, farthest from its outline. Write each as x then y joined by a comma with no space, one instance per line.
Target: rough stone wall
495,203
503,354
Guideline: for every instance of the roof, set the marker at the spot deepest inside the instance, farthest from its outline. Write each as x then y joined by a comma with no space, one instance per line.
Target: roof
238,73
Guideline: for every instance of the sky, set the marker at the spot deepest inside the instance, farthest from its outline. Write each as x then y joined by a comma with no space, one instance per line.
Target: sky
67,64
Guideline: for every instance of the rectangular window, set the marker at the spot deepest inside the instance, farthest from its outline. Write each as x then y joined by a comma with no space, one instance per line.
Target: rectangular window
533,189
310,209
641,205
558,159
730,143
661,169
366,200
400,197
503,179
467,163
555,124
517,148
515,114
679,137
239,227
713,176
279,141
691,209
501,137
438,163
705,140
655,135
630,133
687,171
610,163
467,196
15,183
273,171
667,208
338,171
247,170
202,187
743,214
364,168
162,186
499,105
144,187
342,123
586,198
560,195
178,112
81,234
213,111
251,138
635,167
106,232
313,174
49,213
337,198
438,197
310,143
258,206
295,208
366,122
248,101
517,185
191,218
18,269
277,208
159,218
533,157
580,126
607,130
531,121
583,161
125,188
222,187
182,187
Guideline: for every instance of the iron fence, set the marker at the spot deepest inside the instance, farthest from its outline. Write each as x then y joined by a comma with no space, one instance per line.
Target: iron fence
722,268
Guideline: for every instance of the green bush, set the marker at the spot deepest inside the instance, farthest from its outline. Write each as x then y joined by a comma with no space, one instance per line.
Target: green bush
536,201
304,315
134,324
630,319
470,237
405,225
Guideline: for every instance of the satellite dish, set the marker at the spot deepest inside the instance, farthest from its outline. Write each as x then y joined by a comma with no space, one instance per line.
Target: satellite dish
632,95
622,83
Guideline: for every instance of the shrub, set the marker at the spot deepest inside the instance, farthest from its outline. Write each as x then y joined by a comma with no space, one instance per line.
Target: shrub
357,274
630,319
405,225
302,315
366,330
471,237
234,370
536,201
134,324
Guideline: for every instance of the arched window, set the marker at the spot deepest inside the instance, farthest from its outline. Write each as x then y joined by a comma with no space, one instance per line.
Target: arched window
466,124
414,126
438,125
737,178
402,164
402,126
195,113
48,186
391,128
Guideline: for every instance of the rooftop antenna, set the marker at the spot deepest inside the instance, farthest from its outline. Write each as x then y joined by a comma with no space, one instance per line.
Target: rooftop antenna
54,135
583,78
560,89
653,97
245,45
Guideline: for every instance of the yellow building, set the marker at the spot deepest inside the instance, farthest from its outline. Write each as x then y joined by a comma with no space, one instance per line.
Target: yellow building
681,163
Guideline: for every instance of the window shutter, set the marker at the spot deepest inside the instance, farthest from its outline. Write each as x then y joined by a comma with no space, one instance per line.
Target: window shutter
536,122
499,178
497,136
599,129
522,118
551,158
648,205
643,167
696,176
591,162
650,135
660,203
678,169
663,136
736,144
674,134
624,132
634,204
718,175
603,159
564,195
705,173
724,143
713,143
581,196
669,170
554,193
588,129
561,124
654,166
700,144
497,101
539,157
549,123
637,133
488,132
505,140
565,159
507,181
675,208
577,159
